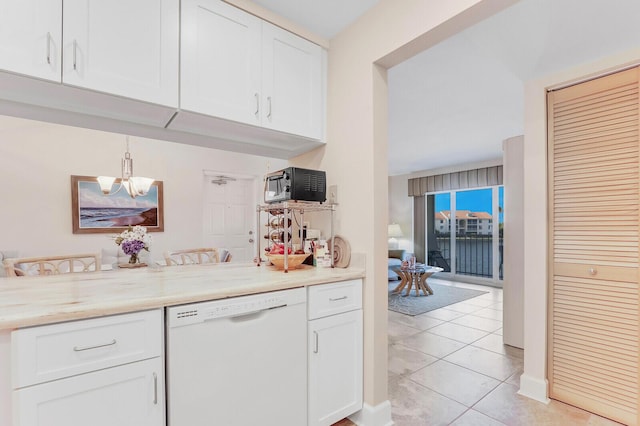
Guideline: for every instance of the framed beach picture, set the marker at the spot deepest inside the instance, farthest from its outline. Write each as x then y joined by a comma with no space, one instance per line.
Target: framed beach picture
94,212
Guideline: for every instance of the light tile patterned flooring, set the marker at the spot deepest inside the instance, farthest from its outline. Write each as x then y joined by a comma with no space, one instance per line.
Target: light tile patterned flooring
449,367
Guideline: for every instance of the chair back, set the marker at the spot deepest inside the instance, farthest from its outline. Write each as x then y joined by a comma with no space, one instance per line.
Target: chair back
192,256
52,265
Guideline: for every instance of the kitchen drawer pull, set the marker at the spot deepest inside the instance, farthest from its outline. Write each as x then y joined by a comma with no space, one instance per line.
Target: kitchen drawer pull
315,348
335,299
155,388
257,104
86,348
49,48
269,102
75,55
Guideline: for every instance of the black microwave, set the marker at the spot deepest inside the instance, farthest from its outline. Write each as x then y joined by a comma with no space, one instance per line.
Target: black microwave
295,184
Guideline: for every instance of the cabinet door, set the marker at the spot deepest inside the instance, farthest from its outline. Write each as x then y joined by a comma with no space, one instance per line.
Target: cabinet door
292,85
31,37
123,48
335,367
220,72
129,395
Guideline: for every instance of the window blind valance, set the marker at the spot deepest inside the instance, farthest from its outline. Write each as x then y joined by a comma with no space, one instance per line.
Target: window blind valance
484,176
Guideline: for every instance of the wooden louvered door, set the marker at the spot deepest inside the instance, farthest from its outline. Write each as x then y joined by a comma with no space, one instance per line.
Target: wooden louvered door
594,218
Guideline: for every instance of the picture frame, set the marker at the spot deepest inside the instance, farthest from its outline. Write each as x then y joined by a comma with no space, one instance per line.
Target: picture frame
92,212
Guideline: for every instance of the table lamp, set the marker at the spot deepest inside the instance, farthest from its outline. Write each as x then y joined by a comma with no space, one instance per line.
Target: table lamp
394,232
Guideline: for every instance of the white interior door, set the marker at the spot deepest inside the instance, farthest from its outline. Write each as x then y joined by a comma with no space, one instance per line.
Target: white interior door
229,217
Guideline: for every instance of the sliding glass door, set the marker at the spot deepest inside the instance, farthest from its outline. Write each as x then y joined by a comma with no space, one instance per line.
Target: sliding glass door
464,232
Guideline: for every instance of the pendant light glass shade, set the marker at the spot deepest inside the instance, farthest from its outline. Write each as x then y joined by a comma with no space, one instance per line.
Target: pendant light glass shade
134,185
106,182
138,185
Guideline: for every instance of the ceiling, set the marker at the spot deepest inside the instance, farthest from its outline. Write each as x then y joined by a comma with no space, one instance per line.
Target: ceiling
455,103
325,18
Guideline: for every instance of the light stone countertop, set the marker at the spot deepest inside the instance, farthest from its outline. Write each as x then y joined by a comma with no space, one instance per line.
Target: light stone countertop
28,301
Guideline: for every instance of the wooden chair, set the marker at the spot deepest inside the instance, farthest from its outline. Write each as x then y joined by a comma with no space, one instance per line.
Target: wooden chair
192,256
52,265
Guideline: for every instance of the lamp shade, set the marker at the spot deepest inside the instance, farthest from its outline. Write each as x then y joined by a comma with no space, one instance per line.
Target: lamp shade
394,230
106,182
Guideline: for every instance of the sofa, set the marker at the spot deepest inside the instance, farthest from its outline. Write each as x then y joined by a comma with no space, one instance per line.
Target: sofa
396,256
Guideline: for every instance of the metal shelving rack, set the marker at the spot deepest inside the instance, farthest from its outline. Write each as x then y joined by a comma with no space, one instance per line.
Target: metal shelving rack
285,209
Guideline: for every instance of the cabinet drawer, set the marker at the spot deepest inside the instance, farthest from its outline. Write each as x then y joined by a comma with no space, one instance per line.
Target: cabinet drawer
331,299
44,353
127,395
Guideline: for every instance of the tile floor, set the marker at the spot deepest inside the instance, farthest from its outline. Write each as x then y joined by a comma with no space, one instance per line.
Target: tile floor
449,367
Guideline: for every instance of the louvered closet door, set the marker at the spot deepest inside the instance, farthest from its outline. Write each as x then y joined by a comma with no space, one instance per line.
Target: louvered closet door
593,199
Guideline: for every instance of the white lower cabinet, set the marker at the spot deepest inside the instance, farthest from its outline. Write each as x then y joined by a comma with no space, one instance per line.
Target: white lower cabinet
128,395
101,372
334,352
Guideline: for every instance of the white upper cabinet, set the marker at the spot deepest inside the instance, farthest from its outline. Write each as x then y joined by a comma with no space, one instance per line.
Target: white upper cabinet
31,37
200,72
237,67
123,48
292,83
221,60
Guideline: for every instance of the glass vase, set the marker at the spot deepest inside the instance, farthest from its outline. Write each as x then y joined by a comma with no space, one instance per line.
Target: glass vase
133,259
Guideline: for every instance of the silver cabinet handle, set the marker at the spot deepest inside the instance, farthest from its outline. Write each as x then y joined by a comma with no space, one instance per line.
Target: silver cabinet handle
257,104
593,271
155,388
269,102
75,55
86,348
315,347
49,48
331,299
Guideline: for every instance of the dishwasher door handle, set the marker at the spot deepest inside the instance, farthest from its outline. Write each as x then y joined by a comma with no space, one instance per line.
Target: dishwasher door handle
246,315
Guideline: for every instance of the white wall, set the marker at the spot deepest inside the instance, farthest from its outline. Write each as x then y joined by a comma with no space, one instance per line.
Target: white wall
533,382
37,159
401,209
513,255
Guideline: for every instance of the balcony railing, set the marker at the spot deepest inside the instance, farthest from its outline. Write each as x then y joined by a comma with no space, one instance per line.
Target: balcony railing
474,254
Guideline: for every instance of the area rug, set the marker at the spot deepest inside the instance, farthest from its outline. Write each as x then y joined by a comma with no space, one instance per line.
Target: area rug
443,295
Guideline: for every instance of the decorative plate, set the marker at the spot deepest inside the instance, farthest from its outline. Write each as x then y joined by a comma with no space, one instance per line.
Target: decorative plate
341,252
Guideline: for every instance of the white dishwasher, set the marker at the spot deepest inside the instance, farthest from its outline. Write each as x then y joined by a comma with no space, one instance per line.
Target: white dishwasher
240,361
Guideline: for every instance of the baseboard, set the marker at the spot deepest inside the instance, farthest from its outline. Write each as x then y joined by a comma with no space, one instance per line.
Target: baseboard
380,415
534,388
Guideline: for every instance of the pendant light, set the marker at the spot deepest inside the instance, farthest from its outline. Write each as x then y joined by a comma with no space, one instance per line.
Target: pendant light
134,185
